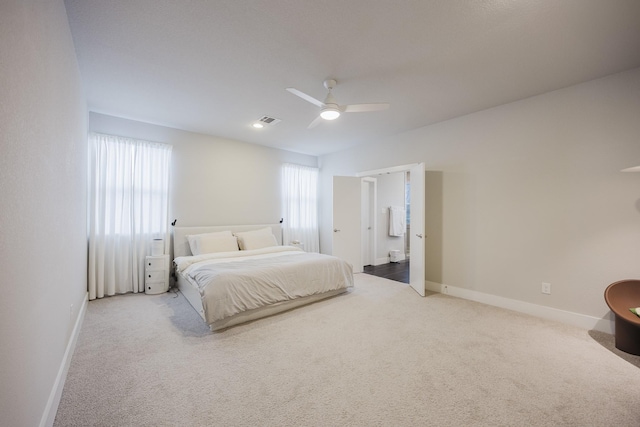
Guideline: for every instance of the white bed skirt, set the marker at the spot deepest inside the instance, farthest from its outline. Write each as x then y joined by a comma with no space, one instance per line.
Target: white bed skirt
192,294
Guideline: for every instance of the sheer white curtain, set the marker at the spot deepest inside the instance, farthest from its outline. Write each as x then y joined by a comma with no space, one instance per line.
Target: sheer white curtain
300,206
128,207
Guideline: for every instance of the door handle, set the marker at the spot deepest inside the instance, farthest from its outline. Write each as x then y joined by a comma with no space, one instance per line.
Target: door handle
335,230
419,235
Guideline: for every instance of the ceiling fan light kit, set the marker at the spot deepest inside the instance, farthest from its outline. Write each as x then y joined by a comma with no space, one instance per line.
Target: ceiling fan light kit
330,109
329,113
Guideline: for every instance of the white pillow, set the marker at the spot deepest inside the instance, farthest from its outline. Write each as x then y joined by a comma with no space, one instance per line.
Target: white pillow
265,232
213,244
194,239
258,241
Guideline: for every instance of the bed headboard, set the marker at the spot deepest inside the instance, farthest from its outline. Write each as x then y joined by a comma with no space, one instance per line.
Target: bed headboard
181,245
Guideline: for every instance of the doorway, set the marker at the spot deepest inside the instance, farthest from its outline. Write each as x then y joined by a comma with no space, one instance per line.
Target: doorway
397,271
347,219
385,248
368,221
407,206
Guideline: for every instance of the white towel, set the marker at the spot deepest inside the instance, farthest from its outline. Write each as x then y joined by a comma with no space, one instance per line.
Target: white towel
397,218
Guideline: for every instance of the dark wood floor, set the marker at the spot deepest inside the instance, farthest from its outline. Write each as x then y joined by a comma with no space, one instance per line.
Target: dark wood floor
398,271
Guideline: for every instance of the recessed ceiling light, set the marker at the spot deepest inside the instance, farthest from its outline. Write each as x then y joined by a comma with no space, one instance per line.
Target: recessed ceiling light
258,125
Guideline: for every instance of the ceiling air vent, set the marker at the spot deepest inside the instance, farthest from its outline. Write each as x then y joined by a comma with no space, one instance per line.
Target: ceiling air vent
269,120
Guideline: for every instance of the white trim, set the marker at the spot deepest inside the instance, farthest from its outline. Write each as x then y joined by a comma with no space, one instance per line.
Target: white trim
374,220
576,319
387,260
393,169
432,286
401,257
49,415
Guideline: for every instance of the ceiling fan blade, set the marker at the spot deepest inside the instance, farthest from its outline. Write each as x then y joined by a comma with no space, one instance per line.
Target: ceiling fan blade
315,122
361,108
306,97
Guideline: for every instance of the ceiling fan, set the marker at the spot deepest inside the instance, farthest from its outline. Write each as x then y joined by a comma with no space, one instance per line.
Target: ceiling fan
330,109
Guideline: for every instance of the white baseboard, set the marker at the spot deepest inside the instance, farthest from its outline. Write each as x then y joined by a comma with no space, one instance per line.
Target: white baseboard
387,260
400,258
576,319
433,286
49,415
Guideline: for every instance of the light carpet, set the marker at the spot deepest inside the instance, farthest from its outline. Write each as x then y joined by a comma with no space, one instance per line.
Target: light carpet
378,356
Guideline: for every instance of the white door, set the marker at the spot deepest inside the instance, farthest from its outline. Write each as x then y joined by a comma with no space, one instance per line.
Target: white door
367,225
416,207
347,197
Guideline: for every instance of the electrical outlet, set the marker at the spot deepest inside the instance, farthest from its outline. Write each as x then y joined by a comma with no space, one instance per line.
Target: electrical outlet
546,288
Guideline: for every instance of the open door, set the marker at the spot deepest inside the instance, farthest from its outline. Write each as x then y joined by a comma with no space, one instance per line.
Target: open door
417,238
368,222
347,238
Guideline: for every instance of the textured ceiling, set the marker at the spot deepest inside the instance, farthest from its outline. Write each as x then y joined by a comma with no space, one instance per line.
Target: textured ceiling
216,66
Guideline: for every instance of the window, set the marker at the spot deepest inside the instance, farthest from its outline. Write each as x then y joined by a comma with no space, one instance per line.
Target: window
129,199
300,206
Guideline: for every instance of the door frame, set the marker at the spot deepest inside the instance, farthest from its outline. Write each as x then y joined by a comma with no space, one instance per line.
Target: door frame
372,187
417,270
384,171
403,168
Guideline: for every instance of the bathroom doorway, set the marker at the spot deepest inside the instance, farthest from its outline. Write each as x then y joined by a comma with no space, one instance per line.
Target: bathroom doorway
385,253
347,221
407,206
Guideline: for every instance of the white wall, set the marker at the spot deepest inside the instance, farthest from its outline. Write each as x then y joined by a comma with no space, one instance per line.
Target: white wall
43,189
214,181
530,192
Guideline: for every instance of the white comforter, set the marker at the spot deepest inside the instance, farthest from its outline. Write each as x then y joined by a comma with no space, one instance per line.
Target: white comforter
234,282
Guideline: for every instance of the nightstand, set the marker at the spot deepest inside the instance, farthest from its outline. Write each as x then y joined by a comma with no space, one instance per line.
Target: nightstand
156,274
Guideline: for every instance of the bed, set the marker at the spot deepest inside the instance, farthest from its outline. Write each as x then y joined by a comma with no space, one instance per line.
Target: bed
243,273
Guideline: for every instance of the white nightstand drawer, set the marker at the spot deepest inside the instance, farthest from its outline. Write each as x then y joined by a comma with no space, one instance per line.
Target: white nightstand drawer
156,287
154,276
155,263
